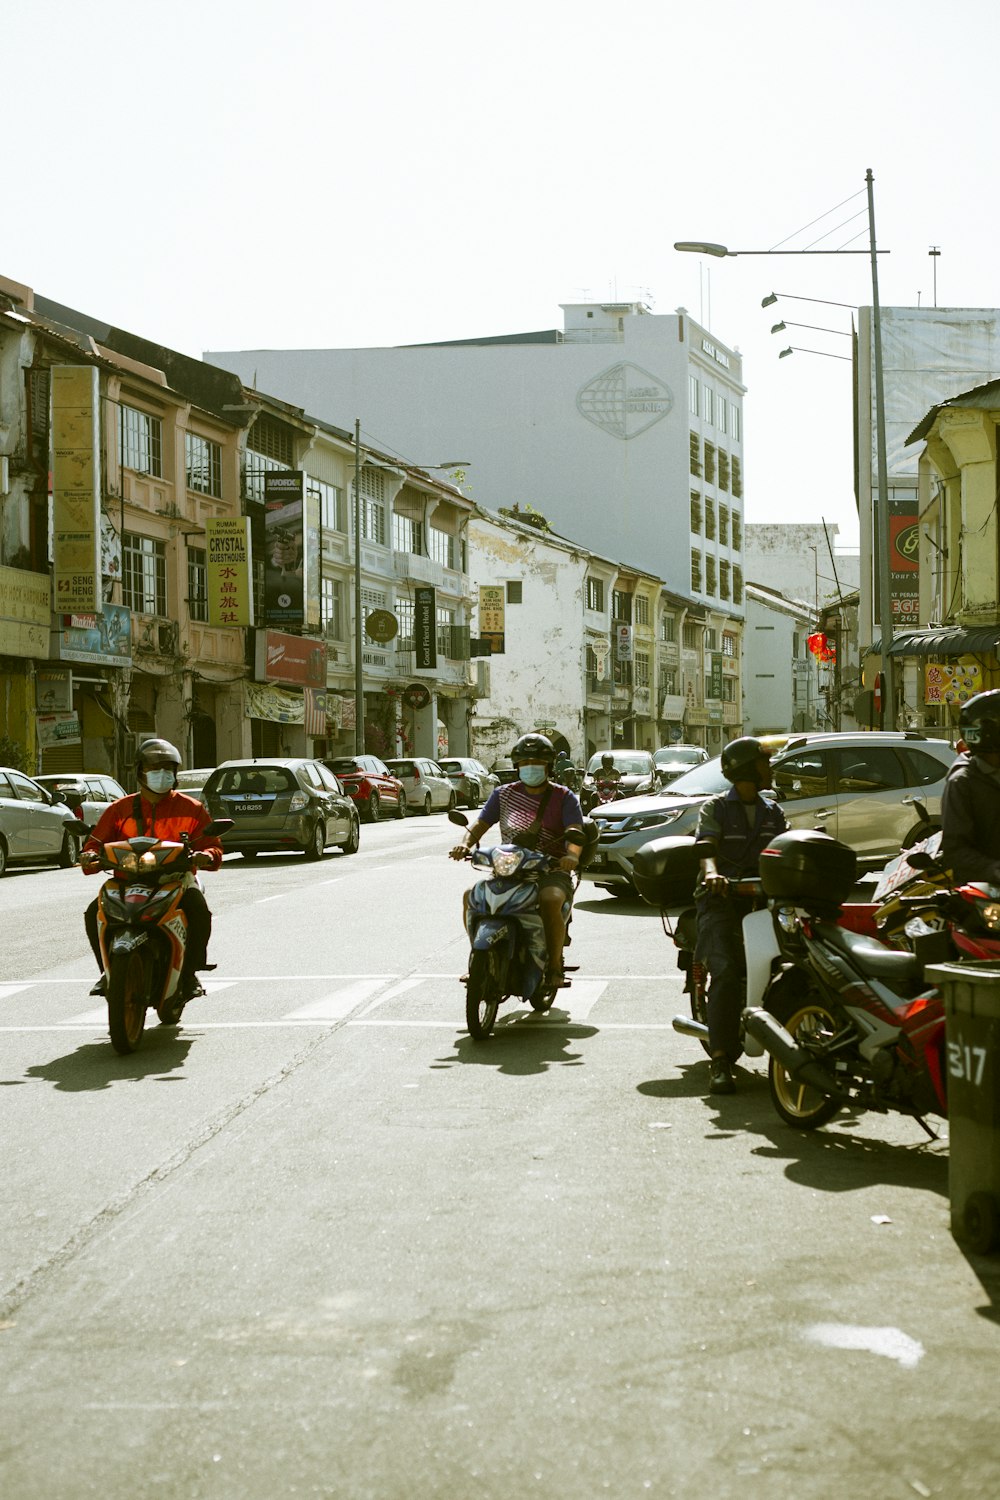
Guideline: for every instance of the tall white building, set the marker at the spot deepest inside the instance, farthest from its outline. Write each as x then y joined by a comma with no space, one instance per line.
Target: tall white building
623,428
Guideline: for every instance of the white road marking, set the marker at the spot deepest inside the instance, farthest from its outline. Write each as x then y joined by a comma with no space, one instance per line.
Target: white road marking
96,1017
11,989
337,1004
404,986
581,997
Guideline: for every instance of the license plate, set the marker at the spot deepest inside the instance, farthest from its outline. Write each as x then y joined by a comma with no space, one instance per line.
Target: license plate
248,807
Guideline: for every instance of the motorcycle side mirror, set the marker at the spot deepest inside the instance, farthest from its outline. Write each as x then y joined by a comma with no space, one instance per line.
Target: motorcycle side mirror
921,860
217,825
459,818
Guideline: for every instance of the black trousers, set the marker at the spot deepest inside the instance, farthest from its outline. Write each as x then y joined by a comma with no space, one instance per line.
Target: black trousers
199,920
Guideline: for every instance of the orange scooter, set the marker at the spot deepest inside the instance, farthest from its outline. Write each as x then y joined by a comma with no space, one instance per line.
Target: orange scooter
143,930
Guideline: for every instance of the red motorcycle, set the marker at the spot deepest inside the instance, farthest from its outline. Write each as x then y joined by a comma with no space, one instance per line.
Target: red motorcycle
847,1021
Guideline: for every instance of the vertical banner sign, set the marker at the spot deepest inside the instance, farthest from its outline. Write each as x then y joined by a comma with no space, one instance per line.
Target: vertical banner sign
425,626
904,563
314,561
76,488
492,602
716,685
284,548
230,580
623,643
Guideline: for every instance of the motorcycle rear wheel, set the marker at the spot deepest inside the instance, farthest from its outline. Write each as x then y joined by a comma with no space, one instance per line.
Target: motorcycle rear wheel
482,995
127,991
798,1104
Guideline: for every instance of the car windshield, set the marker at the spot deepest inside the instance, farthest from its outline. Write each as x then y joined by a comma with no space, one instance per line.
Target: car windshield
401,767
627,764
686,756
702,781
256,779
452,765
342,767
192,778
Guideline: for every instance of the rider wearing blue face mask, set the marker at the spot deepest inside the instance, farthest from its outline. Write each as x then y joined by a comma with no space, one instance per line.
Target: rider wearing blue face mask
538,814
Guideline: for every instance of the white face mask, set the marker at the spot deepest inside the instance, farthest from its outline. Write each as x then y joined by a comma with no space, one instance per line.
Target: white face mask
531,775
158,781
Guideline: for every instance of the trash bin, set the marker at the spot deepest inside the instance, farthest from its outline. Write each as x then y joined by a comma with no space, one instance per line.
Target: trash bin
971,993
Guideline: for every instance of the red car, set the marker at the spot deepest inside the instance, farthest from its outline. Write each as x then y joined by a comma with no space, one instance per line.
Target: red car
370,785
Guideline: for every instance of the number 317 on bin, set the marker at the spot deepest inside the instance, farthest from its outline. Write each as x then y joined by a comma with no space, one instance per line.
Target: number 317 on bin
966,1062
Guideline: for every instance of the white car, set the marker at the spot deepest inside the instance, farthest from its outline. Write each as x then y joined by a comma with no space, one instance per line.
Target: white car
35,827
428,788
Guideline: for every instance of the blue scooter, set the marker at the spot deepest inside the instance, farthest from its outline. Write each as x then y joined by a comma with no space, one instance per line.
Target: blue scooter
505,928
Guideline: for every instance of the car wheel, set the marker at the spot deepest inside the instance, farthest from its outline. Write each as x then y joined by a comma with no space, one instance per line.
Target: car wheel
70,852
373,808
401,809
426,809
451,803
353,841
3,857
317,844
474,797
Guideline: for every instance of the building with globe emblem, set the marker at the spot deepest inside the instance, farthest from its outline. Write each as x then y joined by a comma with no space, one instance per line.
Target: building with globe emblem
623,428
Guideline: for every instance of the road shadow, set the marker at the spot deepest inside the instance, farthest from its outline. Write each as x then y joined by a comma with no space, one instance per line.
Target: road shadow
618,905
523,1043
96,1065
838,1158
986,1269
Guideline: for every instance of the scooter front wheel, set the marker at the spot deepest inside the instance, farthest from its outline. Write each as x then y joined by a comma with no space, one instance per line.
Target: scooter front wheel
482,995
126,1001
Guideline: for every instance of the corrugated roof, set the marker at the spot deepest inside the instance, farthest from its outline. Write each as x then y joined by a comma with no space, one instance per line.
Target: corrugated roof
941,640
983,396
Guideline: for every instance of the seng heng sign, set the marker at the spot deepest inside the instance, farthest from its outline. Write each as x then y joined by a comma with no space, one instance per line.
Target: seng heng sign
425,627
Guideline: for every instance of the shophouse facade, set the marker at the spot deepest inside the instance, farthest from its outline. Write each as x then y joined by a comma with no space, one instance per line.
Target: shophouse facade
930,356
954,650
178,445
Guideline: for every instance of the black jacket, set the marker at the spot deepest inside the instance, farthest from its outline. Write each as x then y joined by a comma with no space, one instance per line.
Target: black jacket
970,823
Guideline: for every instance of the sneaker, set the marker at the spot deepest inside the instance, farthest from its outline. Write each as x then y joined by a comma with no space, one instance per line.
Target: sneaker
101,987
720,1079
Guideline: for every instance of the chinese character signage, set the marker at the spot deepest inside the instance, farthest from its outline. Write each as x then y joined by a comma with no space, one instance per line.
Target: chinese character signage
425,627
715,689
951,684
284,547
230,582
76,488
492,603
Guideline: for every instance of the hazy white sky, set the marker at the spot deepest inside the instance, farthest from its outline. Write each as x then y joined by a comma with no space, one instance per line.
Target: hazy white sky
363,172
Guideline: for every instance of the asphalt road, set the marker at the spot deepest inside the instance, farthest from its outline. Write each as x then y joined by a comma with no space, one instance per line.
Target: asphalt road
320,1243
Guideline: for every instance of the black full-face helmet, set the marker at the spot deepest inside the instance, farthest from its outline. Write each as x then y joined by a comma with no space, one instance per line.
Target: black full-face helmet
740,757
533,747
979,722
155,755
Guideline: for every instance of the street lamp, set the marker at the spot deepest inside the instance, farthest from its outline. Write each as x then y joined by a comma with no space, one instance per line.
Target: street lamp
817,327
797,349
709,247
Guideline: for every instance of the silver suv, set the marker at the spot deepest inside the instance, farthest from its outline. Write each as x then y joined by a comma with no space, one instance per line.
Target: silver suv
857,787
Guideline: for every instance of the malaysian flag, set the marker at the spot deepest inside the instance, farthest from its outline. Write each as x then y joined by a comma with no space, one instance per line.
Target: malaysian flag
314,711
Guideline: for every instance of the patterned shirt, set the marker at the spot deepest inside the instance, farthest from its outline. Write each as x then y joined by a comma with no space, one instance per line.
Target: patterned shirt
515,808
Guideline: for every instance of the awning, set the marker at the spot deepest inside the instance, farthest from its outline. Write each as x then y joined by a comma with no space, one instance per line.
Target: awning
942,640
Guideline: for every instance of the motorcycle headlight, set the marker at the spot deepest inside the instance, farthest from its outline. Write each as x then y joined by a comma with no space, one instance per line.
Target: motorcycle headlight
506,861
147,860
129,863
990,913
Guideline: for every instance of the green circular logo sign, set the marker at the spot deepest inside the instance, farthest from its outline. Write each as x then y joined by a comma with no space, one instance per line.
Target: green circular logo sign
381,626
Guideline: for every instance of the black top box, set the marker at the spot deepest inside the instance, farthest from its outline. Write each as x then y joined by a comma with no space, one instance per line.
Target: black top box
665,870
808,869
